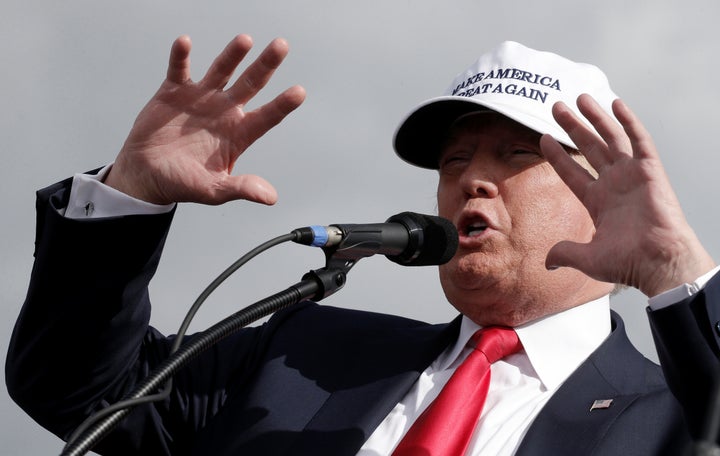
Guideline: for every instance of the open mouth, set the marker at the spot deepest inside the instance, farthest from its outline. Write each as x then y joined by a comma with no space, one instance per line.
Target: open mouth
475,229
474,224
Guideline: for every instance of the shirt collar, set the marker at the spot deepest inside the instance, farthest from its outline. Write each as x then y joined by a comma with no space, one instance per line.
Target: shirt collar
553,350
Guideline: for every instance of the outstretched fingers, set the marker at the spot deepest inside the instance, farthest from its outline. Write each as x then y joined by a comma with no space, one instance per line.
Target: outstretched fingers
641,142
225,64
575,176
256,76
179,65
262,119
593,147
617,143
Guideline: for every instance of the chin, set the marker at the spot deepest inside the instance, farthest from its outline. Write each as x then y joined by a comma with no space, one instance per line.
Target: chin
494,313
476,273
485,297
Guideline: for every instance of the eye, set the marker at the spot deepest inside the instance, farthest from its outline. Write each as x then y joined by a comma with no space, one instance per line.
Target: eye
522,156
525,152
451,160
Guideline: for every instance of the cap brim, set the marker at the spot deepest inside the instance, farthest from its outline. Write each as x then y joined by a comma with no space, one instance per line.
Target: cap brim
418,140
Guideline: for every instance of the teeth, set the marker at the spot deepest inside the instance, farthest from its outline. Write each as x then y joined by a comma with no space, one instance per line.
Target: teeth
475,230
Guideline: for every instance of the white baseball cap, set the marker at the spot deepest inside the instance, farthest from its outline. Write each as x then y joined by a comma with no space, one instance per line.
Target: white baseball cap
514,80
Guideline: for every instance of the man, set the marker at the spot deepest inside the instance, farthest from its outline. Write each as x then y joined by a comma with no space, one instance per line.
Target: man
544,233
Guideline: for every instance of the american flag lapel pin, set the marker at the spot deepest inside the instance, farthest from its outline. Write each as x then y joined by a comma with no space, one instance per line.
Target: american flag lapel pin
600,404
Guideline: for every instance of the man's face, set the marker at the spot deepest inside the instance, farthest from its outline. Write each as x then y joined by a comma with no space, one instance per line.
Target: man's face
510,208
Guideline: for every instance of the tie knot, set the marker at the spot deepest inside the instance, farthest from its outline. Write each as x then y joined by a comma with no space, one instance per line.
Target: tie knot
496,342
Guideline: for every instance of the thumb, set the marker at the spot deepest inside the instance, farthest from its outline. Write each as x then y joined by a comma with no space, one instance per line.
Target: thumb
567,253
247,187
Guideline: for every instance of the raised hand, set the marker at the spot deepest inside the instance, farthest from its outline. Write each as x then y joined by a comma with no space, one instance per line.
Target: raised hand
642,238
185,142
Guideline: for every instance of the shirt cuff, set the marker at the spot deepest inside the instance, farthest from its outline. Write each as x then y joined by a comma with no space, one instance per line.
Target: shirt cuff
681,292
91,198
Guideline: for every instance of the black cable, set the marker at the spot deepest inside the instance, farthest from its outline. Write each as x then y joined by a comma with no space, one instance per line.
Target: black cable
221,278
123,407
199,343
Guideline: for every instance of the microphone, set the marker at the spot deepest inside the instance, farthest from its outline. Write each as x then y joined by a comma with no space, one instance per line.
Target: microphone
408,239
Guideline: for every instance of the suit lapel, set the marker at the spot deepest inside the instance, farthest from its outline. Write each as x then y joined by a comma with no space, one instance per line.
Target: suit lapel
351,409
569,424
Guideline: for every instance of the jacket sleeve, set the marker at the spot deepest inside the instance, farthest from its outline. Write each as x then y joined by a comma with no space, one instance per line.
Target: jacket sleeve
83,339
687,338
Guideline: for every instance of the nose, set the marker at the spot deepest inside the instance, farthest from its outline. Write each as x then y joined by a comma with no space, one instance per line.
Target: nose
478,182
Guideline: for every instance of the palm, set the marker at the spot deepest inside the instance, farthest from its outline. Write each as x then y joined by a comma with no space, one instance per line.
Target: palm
641,237
186,140
624,200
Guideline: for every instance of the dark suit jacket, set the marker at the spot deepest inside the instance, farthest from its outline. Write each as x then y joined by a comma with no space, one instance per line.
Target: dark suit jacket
314,380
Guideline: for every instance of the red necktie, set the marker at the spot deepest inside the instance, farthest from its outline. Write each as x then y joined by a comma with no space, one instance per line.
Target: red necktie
446,426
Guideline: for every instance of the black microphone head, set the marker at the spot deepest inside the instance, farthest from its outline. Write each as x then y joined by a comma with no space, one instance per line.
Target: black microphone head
433,240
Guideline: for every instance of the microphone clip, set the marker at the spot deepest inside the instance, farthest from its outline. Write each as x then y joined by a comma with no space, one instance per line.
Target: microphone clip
333,276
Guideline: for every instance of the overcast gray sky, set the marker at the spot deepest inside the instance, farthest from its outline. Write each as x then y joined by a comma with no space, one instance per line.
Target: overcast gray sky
75,74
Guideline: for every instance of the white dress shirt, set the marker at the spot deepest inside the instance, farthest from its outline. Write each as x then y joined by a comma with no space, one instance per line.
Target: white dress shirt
520,384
